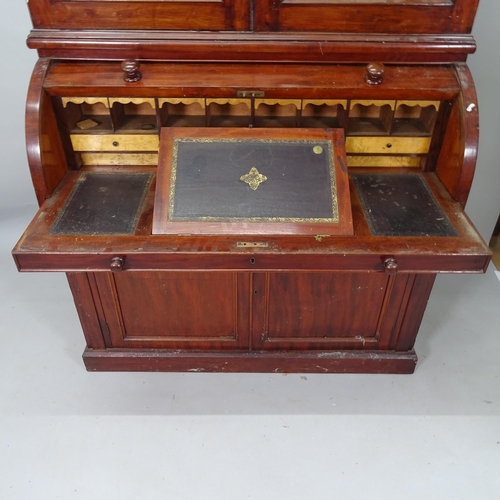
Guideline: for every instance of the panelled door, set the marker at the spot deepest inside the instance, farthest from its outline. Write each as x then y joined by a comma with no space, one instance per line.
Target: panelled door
337,16
175,310
366,16
211,15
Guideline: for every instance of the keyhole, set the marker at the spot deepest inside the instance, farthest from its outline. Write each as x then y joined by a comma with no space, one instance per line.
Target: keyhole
252,260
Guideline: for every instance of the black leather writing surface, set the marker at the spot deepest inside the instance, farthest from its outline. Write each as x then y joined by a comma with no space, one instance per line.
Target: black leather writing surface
253,180
103,203
400,205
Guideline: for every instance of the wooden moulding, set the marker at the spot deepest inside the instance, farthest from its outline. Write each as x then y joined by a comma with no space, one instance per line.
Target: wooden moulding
307,47
258,361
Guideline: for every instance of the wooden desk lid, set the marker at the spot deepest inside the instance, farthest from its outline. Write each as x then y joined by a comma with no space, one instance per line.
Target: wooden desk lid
252,181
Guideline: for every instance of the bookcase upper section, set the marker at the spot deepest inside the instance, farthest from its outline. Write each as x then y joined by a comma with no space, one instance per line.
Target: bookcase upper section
332,16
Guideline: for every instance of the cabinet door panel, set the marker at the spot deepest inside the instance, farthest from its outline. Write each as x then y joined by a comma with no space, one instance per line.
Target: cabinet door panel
326,310
176,310
365,16
141,14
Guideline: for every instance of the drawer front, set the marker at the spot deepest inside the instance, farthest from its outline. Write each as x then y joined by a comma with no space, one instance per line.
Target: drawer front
383,161
115,142
120,159
387,145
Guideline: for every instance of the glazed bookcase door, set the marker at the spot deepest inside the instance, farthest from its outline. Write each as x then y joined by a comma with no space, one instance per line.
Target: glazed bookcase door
365,16
212,15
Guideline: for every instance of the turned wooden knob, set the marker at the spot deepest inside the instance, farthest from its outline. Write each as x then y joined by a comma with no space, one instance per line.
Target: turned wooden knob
374,73
131,71
390,266
116,264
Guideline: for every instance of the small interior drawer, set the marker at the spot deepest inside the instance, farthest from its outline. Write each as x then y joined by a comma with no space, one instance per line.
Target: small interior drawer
388,145
115,142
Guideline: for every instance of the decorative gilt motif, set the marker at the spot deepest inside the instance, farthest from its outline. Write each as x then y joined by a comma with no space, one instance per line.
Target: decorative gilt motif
254,178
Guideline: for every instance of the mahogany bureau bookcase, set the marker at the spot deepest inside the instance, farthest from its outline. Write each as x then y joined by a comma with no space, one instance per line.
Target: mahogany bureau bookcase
252,185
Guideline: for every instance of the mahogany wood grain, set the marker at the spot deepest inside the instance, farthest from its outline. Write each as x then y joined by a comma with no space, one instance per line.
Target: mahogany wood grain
397,16
291,303
396,300
358,17
318,310
141,14
256,361
46,158
183,310
421,287
308,47
440,127
285,81
38,250
457,162
87,305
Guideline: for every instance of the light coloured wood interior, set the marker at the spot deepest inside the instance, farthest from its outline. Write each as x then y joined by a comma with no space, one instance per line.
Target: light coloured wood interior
117,159
87,100
372,102
390,145
114,142
133,100
94,109
383,161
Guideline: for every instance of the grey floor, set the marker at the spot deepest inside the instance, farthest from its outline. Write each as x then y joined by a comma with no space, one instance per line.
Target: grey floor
66,433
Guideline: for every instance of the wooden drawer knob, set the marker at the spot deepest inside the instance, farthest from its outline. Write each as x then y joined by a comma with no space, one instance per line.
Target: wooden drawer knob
131,71
374,73
390,266
116,264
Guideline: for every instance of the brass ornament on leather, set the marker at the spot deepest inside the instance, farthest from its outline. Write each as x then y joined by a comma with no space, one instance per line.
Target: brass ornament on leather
254,178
